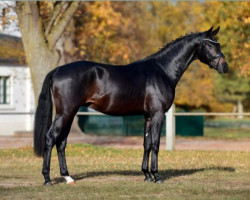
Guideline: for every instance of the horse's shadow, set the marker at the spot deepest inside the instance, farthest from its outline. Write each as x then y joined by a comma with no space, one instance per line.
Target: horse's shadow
165,174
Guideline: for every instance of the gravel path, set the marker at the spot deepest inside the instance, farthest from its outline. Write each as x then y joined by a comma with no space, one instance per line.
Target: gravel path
135,142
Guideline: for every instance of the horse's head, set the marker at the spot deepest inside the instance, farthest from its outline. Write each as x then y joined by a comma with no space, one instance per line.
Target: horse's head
209,51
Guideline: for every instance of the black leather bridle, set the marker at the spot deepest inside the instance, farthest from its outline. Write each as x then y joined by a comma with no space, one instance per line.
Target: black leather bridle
208,55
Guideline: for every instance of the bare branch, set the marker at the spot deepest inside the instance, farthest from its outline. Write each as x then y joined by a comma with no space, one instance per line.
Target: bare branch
57,30
56,12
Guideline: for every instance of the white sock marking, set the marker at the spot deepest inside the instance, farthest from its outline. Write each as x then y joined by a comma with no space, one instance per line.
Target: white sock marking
68,179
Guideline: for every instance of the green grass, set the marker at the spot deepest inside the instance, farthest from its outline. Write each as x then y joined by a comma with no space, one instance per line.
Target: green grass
107,173
226,133
228,128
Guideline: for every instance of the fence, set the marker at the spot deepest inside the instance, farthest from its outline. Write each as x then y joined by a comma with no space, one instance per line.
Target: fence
170,121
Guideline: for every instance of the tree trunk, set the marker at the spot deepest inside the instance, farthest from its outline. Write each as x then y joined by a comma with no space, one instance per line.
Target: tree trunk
41,49
39,57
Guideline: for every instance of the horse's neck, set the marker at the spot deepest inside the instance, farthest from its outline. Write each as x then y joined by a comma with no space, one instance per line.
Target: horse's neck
176,59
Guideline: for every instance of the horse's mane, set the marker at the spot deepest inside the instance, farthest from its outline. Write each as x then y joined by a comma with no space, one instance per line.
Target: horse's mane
169,44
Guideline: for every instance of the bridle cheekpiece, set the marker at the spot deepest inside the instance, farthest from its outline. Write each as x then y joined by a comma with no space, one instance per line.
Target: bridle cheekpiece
207,53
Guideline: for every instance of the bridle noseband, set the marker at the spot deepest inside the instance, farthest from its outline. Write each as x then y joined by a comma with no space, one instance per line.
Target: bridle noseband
207,53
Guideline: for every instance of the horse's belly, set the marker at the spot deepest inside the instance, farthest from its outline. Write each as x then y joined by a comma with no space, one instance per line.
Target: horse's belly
118,106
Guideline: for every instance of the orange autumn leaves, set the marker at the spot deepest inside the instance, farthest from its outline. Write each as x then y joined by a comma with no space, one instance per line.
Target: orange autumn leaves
110,32
122,32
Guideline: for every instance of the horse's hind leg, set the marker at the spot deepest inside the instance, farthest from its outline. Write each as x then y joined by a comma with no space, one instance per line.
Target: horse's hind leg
49,144
51,139
61,145
147,148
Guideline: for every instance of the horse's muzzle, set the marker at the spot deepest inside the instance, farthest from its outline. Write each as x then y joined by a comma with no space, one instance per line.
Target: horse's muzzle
222,66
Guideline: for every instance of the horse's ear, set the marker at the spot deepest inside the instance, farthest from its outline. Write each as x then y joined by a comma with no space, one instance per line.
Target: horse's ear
209,32
216,31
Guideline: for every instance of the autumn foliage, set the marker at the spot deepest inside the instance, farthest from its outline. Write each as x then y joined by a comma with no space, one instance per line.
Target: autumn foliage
122,32
111,32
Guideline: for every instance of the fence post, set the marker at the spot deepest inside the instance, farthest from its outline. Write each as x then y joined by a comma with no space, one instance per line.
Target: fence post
170,128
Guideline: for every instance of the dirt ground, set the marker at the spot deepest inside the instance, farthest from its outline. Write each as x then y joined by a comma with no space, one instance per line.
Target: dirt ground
21,140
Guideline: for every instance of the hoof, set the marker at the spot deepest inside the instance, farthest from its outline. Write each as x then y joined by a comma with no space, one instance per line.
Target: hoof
148,179
158,181
71,183
69,180
47,183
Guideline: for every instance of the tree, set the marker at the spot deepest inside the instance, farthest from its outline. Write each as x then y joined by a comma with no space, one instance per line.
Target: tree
234,37
112,32
233,17
41,30
233,89
121,32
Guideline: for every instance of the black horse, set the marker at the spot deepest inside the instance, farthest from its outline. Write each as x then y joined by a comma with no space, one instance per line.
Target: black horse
145,87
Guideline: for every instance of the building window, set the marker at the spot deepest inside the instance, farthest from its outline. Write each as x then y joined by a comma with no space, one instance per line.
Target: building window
4,90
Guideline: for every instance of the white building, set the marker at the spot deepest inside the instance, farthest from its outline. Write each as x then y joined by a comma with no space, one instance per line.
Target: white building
16,95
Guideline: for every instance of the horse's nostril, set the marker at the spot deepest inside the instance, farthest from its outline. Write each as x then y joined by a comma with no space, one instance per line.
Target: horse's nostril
225,67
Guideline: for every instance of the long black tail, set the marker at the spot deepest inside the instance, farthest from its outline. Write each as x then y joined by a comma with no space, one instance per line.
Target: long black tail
43,116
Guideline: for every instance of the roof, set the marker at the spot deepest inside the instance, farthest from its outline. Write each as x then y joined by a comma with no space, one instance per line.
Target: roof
11,51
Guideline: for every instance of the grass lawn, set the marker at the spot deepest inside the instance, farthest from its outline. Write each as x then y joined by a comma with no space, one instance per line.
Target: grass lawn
226,133
228,128
107,173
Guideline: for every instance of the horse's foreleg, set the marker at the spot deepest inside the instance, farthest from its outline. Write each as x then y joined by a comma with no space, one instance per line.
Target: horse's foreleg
61,145
156,126
147,148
